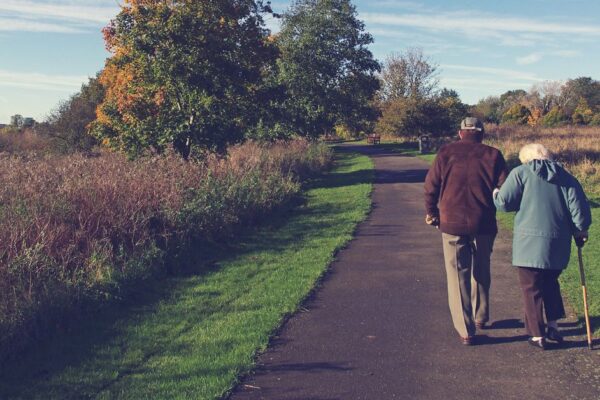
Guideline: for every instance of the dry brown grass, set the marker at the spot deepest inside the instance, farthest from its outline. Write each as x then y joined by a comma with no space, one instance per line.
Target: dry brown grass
577,148
75,228
17,141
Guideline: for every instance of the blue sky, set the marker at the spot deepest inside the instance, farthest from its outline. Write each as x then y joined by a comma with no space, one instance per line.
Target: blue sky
48,48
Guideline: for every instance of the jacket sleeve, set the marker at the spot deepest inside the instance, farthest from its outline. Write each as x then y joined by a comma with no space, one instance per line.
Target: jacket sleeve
579,207
501,172
510,194
433,182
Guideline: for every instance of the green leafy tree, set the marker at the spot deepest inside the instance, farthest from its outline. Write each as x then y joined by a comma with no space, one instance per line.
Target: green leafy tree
595,120
509,99
183,73
554,117
453,110
402,116
582,115
326,68
16,121
488,109
412,117
411,102
583,87
517,114
70,122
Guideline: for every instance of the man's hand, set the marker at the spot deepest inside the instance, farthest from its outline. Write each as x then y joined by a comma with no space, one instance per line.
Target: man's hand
433,221
581,238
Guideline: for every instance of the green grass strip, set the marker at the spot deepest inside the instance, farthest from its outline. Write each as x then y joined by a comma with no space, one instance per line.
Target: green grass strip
193,336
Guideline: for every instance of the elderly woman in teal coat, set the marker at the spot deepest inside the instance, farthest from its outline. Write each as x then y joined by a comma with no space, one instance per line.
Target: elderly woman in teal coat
551,208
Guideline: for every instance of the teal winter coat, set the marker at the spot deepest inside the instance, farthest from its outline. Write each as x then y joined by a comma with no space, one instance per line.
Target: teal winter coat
551,206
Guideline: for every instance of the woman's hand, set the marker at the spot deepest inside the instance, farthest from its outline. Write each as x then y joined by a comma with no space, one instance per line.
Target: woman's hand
581,238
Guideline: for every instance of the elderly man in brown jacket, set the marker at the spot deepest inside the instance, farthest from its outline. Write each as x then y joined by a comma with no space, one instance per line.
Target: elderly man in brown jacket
458,199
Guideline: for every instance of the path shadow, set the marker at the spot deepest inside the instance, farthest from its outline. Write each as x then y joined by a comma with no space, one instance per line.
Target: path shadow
312,367
404,176
578,328
490,340
512,323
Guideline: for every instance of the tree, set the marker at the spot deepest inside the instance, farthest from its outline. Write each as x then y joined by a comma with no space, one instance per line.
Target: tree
547,94
582,115
509,99
70,122
326,68
452,111
409,74
403,117
411,102
516,114
28,122
535,117
183,73
595,120
488,109
554,117
578,88
17,121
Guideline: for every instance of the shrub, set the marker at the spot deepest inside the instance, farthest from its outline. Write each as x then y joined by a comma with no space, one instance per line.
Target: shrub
595,120
74,229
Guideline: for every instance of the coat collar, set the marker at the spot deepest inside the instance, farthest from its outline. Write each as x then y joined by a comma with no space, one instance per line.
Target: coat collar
473,137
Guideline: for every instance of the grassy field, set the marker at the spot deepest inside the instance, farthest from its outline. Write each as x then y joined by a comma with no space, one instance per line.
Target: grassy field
192,336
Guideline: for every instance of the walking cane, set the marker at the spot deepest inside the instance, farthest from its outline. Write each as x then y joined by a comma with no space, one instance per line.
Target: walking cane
585,303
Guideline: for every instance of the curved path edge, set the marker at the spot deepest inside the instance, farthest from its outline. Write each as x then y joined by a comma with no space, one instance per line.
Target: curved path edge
379,326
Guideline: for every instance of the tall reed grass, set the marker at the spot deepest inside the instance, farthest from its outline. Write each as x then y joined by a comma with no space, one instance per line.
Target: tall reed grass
577,148
75,229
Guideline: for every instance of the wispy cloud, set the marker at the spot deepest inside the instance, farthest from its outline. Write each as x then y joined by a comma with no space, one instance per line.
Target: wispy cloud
538,56
55,15
481,84
475,25
469,21
495,72
40,81
476,79
408,5
63,11
24,25
529,59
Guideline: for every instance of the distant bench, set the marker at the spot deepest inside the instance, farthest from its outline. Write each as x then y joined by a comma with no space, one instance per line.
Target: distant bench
373,139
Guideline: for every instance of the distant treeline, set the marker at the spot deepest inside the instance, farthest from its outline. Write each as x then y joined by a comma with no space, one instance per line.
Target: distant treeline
550,103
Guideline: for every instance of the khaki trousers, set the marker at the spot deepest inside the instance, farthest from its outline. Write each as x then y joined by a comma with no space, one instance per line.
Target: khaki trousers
467,260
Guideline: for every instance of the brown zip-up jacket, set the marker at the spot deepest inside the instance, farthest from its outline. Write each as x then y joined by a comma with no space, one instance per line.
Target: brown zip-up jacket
459,186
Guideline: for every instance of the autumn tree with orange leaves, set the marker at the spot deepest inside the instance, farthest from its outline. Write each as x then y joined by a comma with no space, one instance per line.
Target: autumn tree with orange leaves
183,73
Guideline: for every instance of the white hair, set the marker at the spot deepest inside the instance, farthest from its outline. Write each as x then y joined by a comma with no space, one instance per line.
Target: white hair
534,151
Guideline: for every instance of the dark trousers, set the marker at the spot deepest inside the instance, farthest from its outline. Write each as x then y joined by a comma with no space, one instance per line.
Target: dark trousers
541,292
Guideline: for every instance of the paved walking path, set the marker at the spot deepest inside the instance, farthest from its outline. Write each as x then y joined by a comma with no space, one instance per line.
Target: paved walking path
379,327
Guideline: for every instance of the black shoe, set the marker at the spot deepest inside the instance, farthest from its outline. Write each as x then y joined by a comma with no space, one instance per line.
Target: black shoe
540,344
554,335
